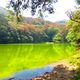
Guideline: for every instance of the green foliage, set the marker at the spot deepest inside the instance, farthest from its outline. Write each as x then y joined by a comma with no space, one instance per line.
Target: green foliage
74,32
78,2
10,16
4,26
75,60
10,34
24,33
34,5
57,38
51,32
74,15
3,34
3,20
61,35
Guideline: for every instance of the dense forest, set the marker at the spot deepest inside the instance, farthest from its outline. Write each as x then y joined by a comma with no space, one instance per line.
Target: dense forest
38,30
28,33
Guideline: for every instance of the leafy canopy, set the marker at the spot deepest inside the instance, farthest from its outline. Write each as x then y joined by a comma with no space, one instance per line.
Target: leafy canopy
45,5
33,5
74,24
78,2
74,15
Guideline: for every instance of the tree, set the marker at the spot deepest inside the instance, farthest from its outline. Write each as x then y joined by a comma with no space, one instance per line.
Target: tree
78,2
33,5
51,32
4,29
40,14
74,33
10,16
74,15
74,24
61,35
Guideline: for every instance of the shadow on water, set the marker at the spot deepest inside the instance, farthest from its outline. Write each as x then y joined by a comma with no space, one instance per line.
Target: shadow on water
28,74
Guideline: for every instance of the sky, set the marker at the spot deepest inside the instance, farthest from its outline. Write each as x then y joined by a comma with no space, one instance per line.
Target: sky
60,8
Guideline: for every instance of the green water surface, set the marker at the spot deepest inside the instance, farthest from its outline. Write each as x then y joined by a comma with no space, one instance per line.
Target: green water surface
15,57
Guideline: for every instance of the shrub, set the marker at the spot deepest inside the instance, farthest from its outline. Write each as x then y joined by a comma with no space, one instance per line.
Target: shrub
50,32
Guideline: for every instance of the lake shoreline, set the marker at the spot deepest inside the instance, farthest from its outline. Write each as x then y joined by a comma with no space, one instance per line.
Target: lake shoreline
58,71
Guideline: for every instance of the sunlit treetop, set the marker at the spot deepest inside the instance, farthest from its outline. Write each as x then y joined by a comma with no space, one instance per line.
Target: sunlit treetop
74,15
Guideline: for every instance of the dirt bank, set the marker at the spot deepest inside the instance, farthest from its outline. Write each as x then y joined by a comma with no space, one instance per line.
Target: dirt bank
62,71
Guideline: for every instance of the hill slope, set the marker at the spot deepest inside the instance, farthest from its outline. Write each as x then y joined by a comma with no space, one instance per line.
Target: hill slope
61,22
34,21
3,11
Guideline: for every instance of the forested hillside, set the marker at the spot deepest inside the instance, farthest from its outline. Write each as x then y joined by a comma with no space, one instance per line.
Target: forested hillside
30,30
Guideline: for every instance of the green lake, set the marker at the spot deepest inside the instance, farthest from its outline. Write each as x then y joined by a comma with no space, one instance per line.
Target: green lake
15,57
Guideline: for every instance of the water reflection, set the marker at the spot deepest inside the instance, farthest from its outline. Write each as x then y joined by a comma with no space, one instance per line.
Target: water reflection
15,57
